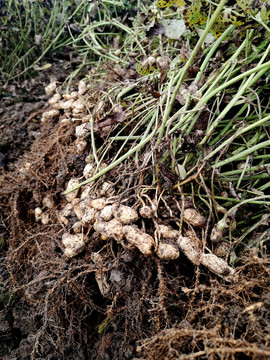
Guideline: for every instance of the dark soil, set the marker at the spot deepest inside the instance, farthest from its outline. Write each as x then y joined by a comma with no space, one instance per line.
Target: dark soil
51,306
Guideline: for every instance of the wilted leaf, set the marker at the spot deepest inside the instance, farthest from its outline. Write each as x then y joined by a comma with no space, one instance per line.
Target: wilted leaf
193,88
104,125
44,67
209,39
181,171
76,28
229,17
184,53
174,28
183,94
163,63
38,39
155,28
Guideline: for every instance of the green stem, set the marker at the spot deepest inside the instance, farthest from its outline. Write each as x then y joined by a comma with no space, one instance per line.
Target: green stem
54,41
211,52
251,150
248,169
210,90
207,97
231,210
113,164
195,51
241,132
236,97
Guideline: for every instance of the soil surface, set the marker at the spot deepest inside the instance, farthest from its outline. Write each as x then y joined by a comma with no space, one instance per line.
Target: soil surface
53,306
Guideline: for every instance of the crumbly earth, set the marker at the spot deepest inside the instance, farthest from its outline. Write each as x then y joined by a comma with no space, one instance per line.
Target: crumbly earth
110,300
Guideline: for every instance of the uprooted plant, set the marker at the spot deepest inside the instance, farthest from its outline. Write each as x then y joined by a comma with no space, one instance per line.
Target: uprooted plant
142,209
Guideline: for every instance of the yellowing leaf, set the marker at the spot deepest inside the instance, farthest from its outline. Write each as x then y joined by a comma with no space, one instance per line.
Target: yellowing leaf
180,4
193,13
165,3
219,27
264,13
246,6
229,17
144,70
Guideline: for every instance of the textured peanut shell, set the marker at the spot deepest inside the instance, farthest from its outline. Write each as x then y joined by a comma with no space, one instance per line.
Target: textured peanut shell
124,214
106,214
216,235
144,242
192,217
98,204
166,232
72,182
217,265
186,245
110,229
167,251
146,212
